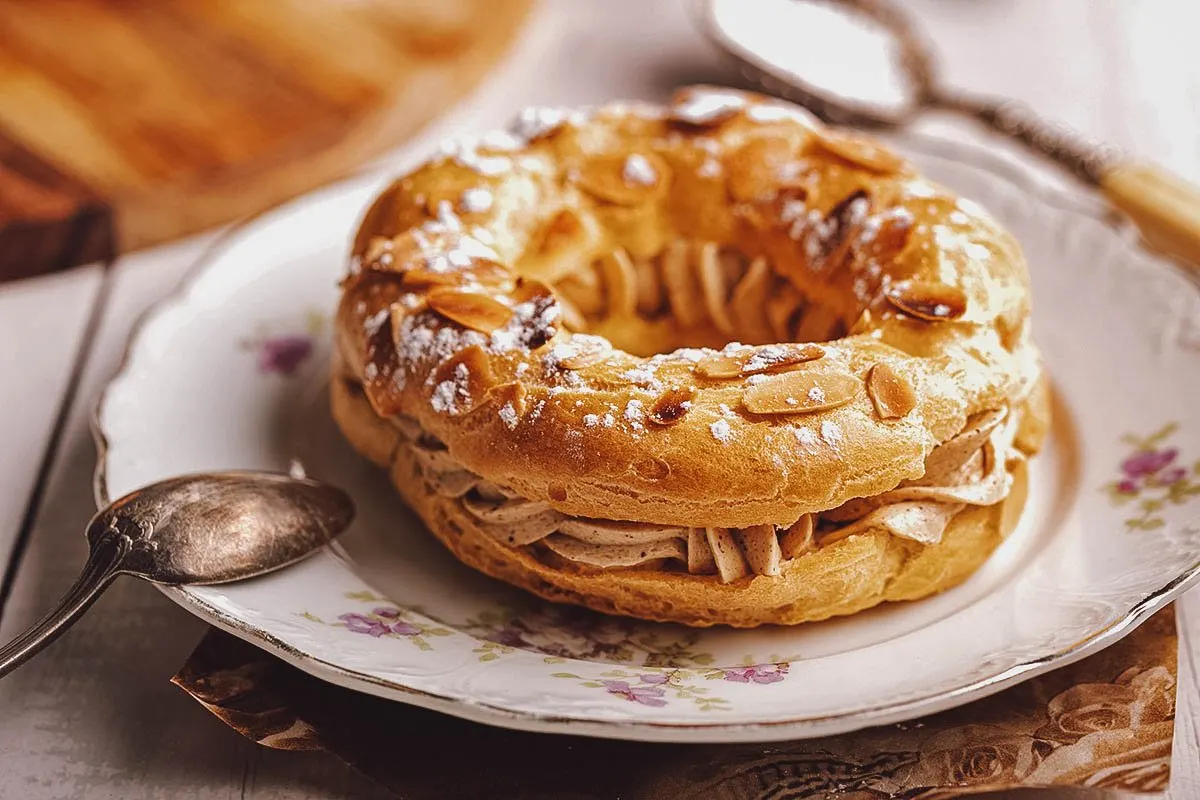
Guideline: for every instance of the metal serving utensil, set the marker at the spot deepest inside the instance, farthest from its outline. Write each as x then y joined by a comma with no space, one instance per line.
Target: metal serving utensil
862,62
196,529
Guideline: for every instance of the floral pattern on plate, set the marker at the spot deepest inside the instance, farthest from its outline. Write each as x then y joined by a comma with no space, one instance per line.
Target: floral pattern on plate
1152,477
284,353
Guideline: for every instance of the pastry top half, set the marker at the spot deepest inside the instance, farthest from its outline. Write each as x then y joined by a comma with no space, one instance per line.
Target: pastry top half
714,313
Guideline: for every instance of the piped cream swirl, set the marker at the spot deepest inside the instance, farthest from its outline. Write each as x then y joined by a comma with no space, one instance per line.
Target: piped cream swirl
969,469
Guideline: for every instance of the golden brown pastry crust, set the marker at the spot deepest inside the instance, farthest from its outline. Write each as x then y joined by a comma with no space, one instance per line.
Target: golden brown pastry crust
474,277
682,474
843,577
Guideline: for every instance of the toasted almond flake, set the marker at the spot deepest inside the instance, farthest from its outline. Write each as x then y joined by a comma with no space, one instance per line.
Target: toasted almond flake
672,405
891,393
860,151
479,270
470,309
462,382
792,392
753,361
605,178
933,302
581,351
509,395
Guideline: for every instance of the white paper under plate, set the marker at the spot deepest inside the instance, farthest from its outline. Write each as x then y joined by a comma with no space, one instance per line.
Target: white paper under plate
231,373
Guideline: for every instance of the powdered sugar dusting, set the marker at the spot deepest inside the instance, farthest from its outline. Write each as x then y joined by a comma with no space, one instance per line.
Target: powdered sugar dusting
535,122
700,107
464,153
634,414
721,431
831,433
807,438
778,112
476,201
508,415
639,171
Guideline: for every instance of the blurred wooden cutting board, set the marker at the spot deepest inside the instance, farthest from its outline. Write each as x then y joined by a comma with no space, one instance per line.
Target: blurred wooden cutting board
124,123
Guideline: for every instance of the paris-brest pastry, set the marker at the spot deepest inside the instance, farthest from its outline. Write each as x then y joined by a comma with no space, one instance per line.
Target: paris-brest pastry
712,362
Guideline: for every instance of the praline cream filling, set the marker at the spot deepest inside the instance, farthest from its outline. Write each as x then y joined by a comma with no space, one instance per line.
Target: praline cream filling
970,469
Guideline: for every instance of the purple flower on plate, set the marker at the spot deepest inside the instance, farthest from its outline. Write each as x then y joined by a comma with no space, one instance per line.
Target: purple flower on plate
1128,486
759,673
1170,477
387,612
371,625
1148,462
653,678
646,695
283,355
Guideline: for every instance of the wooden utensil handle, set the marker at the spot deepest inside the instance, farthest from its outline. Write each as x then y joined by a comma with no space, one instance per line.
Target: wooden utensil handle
1165,208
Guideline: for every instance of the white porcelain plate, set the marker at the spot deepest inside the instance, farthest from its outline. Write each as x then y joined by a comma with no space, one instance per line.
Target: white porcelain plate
231,373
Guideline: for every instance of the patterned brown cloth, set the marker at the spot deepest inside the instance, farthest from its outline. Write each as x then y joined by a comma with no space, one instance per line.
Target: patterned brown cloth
1106,721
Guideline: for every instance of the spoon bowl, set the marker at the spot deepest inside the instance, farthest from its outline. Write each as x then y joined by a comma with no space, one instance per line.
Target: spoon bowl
222,527
195,529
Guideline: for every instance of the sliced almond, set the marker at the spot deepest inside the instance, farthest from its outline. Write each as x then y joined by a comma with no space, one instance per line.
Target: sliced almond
890,391
416,279
626,180
470,373
672,405
933,302
860,151
470,309
755,168
581,351
801,392
757,360
481,271
509,394
541,311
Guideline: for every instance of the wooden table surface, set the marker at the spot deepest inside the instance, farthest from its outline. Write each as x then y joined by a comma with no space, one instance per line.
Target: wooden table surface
95,715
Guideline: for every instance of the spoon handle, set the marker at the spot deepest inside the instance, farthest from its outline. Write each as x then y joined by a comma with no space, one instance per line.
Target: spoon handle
1086,160
102,566
1165,208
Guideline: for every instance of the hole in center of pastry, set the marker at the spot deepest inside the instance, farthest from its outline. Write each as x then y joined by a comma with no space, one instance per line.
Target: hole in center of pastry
690,294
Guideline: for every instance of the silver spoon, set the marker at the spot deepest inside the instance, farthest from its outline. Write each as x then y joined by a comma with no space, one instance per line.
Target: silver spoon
862,62
196,529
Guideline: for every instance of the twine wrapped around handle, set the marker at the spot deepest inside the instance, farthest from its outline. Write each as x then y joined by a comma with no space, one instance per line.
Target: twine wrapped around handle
1087,160
1165,208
